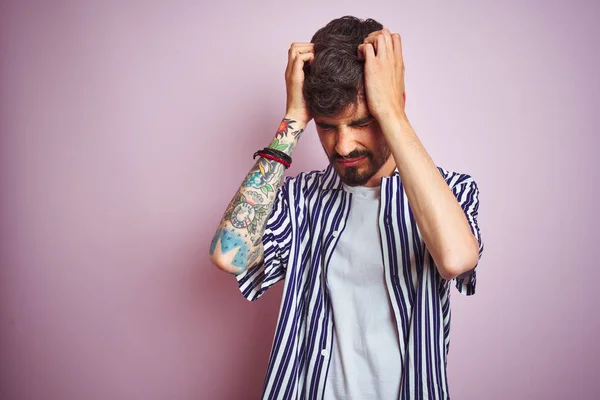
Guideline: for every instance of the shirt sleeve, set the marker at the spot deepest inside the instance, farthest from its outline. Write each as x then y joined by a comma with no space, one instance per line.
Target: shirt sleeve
467,194
277,239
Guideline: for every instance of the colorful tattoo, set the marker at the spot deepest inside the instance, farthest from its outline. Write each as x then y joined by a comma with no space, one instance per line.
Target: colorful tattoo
244,214
262,175
244,222
255,196
277,145
285,127
231,240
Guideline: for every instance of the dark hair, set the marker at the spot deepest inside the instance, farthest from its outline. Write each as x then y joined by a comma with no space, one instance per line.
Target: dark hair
335,79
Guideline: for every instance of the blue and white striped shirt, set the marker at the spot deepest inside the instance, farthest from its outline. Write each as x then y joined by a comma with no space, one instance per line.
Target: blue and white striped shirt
308,217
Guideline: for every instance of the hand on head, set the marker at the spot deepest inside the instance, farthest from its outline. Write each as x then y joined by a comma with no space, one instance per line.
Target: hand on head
384,73
298,55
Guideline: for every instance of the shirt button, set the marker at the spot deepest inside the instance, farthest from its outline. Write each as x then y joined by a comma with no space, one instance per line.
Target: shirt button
324,352
335,233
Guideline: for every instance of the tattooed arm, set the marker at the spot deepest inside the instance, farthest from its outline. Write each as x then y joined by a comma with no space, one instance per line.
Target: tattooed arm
237,243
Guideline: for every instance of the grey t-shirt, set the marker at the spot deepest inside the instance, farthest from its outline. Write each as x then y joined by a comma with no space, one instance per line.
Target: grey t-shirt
365,361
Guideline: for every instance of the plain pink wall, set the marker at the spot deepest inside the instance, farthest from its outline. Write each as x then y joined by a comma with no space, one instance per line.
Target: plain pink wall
127,126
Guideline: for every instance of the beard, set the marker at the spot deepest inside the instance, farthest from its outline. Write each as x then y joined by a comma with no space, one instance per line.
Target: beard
360,175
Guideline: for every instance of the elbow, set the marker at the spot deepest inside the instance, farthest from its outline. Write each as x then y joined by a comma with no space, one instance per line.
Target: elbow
458,265
233,258
451,272
224,258
225,265
448,273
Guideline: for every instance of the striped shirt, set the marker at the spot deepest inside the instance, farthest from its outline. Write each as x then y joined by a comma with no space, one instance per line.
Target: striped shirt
309,215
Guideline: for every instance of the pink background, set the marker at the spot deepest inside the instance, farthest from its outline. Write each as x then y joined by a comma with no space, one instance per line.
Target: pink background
126,127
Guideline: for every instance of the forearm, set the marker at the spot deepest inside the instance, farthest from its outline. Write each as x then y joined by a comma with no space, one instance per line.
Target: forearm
441,220
237,244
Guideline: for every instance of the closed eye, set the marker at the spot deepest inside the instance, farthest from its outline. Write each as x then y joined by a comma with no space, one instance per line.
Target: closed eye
363,122
324,127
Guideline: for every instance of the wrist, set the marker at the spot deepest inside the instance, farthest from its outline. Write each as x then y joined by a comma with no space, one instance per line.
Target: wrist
287,135
394,123
290,130
284,144
390,113
296,121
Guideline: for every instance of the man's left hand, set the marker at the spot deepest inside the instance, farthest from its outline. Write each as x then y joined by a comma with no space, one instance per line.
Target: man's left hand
384,74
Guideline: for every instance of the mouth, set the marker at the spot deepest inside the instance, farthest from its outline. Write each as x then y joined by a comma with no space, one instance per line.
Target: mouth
350,162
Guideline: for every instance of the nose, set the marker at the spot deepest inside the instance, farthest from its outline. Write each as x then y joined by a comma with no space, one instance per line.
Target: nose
344,143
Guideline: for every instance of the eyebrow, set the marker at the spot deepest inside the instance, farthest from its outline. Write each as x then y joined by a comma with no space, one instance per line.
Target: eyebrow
360,121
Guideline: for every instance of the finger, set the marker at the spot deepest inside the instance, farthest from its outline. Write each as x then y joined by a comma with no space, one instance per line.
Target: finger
397,43
387,40
381,45
360,52
299,62
368,51
297,47
378,43
375,33
302,44
305,57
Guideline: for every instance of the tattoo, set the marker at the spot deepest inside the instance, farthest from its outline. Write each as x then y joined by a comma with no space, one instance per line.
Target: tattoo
264,175
244,214
277,145
254,256
231,240
239,237
255,196
285,127
213,244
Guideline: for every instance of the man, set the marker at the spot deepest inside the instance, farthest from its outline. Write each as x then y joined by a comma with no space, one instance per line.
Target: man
368,247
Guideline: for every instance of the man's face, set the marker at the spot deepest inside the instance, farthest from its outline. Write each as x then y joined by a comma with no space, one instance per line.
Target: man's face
355,146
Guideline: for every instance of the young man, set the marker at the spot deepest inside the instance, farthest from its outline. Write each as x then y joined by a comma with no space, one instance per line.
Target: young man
368,247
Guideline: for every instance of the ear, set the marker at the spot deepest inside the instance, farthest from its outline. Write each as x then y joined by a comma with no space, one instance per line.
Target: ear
404,97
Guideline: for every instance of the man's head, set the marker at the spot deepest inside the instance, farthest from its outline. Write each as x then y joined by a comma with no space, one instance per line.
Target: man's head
334,93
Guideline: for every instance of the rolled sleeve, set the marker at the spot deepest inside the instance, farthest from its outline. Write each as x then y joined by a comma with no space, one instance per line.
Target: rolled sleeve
255,281
467,194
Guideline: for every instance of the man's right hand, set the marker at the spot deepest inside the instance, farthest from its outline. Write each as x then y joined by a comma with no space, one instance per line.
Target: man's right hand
296,108
237,245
